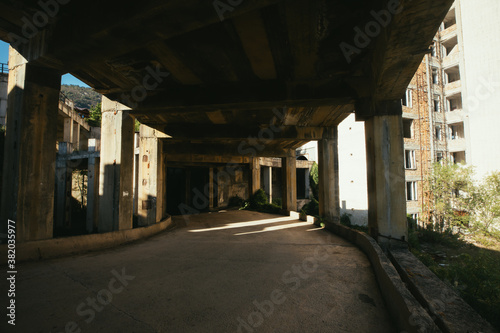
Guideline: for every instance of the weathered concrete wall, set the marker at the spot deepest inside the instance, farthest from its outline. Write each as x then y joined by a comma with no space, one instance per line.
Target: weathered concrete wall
151,180
386,176
478,35
233,184
116,168
3,97
30,154
352,171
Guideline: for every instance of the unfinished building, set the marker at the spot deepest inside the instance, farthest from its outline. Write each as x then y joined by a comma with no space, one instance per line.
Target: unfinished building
217,86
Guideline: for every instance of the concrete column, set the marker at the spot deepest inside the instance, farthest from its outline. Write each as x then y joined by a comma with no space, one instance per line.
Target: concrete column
211,193
267,182
151,176
255,181
30,154
289,181
92,189
64,183
328,172
76,136
161,201
307,182
116,167
69,128
386,178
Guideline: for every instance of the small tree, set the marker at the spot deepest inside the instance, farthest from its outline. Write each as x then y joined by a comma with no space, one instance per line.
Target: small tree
451,200
487,202
95,115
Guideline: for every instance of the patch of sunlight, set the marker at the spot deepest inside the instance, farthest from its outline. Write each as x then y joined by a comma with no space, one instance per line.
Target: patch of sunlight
274,228
316,229
243,224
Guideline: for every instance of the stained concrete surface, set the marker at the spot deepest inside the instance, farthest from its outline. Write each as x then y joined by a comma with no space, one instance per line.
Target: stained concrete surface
234,271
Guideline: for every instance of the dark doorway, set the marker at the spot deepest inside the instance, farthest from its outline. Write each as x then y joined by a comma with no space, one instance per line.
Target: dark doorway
187,191
176,190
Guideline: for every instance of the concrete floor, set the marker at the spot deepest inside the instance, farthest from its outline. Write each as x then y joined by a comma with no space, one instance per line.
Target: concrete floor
234,271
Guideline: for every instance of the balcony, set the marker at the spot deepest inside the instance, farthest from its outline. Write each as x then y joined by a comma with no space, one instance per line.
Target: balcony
456,145
452,59
453,88
448,33
455,116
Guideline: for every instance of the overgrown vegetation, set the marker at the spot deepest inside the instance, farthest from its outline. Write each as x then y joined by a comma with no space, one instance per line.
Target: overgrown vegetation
312,208
458,237
345,219
260,203
82,97
95,116
472,271
457,203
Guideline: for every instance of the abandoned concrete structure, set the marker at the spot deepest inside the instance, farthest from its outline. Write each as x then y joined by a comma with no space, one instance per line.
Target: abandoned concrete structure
220,86
448,108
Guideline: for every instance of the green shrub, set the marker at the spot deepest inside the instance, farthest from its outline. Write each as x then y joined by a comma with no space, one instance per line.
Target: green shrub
311,208
258,199
278,202
345,220
236,202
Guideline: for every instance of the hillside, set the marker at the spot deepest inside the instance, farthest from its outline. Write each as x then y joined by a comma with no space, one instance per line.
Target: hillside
83,97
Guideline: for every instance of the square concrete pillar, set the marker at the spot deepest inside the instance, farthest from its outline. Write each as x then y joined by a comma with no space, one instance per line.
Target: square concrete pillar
267,182
386,177
68,130
76,136
255,181
116,167
64,183
211,188
151,176
92,192
30,154
328,172
307,184
289,182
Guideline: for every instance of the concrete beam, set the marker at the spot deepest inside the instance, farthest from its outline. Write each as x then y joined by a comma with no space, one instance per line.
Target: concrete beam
386,178
116,168
30,154
289,182
328,172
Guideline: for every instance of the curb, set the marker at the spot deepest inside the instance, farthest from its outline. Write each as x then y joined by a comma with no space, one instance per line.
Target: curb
68,246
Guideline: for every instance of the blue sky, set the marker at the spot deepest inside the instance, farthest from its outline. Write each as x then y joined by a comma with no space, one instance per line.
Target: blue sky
66,79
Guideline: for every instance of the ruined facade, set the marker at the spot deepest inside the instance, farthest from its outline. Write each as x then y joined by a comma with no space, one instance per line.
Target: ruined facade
449,109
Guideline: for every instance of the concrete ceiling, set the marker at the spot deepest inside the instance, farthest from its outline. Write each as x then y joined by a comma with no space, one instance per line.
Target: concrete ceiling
195,77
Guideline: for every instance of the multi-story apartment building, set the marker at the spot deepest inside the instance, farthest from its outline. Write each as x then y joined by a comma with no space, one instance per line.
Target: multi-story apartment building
450,109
